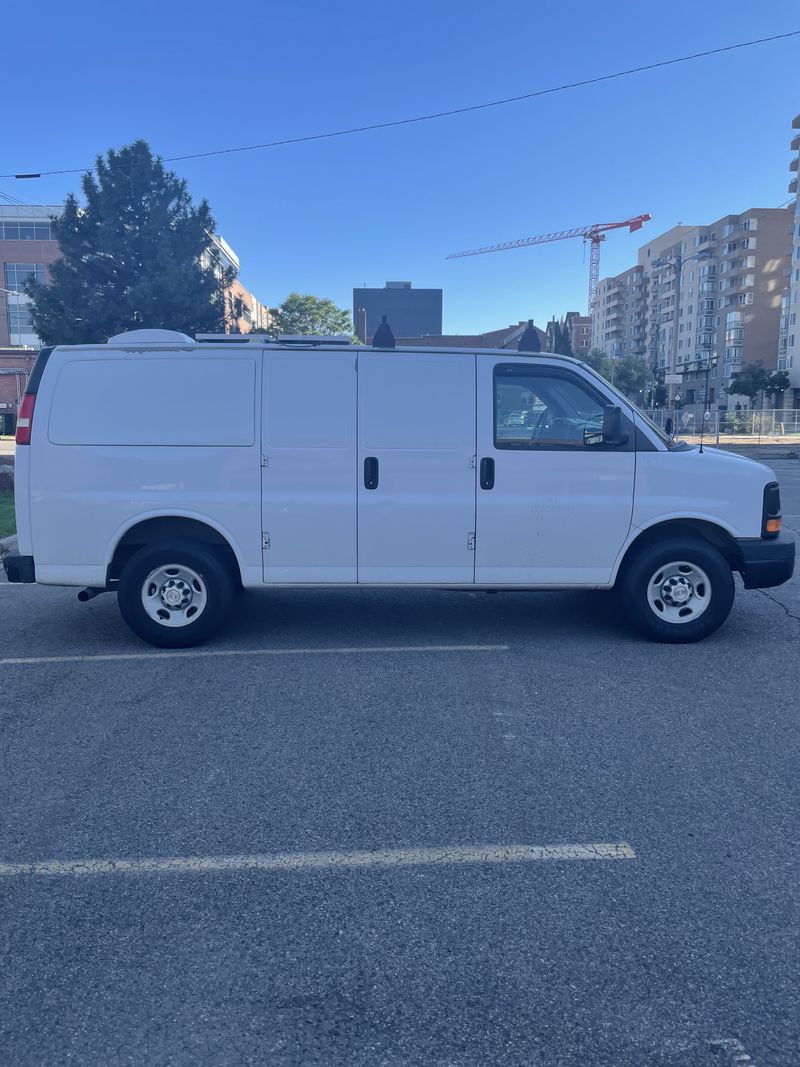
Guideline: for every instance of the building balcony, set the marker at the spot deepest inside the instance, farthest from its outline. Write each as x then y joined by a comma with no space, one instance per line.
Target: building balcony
796,122
794,144
793,185
794,165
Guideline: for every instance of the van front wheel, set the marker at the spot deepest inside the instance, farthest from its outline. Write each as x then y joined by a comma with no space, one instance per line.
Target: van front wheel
175,595
678,590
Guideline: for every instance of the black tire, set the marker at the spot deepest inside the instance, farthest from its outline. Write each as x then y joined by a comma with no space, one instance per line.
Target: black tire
643,567
215,583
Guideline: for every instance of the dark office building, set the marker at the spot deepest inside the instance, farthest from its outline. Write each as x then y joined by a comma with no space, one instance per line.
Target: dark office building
409,312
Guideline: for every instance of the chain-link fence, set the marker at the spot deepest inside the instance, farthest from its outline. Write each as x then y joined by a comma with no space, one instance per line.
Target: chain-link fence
689,420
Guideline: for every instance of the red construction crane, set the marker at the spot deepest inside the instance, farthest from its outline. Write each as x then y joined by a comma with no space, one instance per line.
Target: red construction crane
594,234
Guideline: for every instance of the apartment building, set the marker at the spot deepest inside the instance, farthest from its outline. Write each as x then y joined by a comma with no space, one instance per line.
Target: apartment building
789,337
619,323
710,303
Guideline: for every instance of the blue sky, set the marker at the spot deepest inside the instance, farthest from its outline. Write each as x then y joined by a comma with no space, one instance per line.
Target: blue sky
686,144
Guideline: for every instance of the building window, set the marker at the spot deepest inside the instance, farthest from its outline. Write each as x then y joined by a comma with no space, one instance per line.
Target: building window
20,318
26,231
16,274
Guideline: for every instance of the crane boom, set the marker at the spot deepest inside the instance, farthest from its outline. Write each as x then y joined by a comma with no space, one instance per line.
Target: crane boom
595,233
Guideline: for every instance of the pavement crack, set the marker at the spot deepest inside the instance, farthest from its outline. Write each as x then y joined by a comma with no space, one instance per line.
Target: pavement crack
780,603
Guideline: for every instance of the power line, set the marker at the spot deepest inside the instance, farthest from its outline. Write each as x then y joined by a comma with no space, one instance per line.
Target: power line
11,199
441,114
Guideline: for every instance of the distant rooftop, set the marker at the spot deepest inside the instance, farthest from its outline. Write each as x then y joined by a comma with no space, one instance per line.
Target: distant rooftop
30,212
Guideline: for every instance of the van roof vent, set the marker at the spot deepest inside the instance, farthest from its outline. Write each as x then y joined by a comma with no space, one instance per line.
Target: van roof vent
150,337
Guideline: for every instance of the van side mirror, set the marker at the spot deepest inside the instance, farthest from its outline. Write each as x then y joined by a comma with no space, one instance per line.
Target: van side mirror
611,434
669,427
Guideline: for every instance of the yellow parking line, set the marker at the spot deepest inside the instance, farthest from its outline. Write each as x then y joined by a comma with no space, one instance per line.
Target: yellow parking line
303,861
214,653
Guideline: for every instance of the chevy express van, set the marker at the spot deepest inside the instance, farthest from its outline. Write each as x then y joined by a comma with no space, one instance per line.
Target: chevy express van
176,471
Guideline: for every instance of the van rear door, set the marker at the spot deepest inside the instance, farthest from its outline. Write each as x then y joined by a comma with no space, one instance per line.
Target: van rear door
416,481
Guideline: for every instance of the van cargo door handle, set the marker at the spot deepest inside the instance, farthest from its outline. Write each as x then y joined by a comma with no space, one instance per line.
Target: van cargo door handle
371,472
487,473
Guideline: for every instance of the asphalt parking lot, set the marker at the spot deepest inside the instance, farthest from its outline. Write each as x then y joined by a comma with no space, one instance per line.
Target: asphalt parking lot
400,827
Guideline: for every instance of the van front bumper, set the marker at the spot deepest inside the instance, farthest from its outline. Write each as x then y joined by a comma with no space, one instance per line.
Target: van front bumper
766,562
19,568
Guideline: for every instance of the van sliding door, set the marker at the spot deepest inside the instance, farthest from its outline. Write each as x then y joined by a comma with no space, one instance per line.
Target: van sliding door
416,478
309,467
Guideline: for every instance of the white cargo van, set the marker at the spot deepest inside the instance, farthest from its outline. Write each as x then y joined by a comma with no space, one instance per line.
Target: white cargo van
176,471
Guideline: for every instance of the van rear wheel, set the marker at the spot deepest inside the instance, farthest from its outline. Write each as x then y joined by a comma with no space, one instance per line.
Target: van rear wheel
175,595
678,590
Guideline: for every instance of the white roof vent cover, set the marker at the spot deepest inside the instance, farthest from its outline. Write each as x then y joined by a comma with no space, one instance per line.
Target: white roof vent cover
150,337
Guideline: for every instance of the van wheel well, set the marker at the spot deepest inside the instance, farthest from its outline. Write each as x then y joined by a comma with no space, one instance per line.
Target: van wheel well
714,535
170,528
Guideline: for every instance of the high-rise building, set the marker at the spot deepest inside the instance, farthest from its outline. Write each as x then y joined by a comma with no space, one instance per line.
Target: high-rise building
27,248
789,338
619,323
410,312
702,302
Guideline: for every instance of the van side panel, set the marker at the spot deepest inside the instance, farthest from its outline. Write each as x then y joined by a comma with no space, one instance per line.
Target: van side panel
118,440
714,486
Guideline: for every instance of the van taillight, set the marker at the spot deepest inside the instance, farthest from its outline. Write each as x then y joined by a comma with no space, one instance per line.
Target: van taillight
25,419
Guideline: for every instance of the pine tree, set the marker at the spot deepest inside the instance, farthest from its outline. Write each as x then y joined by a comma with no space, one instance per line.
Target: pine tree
137,254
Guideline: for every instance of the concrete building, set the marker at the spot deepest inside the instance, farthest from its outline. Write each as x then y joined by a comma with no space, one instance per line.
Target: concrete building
789,338
27,248
410,312
619,324
702,302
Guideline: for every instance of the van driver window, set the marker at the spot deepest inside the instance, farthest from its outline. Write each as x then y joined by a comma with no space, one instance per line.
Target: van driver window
543,411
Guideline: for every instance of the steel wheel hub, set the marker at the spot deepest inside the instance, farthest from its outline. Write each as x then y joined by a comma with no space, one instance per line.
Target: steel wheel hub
174,595
679,592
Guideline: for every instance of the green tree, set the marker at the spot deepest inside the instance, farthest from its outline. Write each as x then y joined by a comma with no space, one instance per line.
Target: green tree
564,343
598,361
750,381
138,253
777,382
630,376
303,314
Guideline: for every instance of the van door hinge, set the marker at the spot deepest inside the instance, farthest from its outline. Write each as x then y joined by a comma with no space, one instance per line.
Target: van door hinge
471,542
473,462
264,460
265,541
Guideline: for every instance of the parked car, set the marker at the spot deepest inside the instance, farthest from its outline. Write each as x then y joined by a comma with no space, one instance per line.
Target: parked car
175,471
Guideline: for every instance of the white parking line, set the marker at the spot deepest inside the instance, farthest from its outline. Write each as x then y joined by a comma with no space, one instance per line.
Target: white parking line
301,861
116,657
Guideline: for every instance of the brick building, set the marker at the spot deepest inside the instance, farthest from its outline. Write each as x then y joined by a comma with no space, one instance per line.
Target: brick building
15,366
27,248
